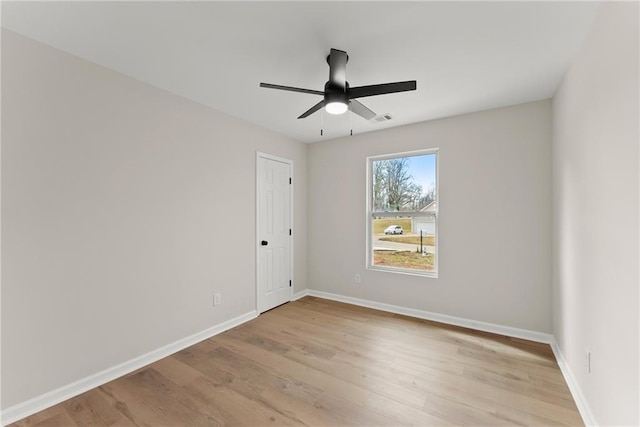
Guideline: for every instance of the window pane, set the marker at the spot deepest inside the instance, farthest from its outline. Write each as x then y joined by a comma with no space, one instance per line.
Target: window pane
406,185
403,183
403,242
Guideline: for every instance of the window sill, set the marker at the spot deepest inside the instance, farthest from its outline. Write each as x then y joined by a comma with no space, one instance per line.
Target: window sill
408,272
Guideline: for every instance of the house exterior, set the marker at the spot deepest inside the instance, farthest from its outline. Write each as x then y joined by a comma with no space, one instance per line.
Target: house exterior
427,223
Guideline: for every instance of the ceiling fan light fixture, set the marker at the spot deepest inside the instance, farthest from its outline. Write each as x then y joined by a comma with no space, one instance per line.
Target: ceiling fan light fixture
336,107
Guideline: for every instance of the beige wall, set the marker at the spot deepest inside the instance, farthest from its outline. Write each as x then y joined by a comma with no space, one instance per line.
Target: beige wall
123,209
495,217
595,210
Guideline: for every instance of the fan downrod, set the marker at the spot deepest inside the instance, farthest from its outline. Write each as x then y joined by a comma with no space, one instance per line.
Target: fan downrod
329,56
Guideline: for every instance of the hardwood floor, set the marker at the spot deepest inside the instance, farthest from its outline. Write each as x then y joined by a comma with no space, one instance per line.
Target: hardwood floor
319,362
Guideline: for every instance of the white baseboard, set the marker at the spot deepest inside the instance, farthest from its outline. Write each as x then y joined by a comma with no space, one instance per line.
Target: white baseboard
301,294
39,403
576,391
442,318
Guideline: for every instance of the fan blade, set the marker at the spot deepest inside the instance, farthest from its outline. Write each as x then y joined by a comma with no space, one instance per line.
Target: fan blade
338,68
312,110
358,108
292,89
381,89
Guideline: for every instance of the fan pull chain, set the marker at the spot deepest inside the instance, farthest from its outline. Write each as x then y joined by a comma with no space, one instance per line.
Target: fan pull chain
349,106
321,121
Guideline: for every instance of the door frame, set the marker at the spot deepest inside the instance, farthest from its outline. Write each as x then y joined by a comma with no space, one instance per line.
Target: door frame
289,162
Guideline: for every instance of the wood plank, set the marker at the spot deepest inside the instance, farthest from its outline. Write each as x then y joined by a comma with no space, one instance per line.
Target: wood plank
93,408
339,397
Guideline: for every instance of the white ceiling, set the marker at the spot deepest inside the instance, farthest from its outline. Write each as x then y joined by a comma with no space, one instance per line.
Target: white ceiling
466,56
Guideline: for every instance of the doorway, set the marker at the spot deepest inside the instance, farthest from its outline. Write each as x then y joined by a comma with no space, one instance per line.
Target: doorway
274,254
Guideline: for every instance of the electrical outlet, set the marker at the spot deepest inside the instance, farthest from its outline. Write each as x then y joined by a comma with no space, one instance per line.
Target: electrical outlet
216,299
358,278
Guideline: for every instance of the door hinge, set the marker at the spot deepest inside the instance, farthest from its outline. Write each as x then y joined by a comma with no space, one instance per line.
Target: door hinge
289,180
289,232
289,283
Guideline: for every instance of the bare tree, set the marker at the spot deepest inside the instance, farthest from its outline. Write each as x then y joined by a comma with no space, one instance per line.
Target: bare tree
429,196
379,185
415,196
393,186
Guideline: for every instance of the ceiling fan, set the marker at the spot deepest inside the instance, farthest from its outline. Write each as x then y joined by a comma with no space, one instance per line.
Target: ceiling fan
338,96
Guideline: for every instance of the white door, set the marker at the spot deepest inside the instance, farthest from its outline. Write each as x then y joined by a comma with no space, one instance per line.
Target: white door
273,231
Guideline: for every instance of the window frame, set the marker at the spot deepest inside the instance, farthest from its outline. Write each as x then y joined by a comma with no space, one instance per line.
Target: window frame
370,213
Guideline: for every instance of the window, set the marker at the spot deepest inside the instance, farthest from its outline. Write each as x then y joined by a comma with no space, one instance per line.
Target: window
403,213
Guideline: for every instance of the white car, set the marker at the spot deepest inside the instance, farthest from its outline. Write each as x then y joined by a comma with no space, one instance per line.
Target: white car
393,229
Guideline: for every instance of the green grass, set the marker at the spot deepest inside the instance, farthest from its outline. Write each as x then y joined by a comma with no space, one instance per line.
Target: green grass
403,259
411,240
380,224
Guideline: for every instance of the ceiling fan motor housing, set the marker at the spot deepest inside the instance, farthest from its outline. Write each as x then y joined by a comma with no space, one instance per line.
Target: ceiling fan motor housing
333,93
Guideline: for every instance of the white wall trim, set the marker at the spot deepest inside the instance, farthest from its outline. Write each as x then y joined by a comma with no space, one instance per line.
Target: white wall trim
576,391
46,400
442,318
303,293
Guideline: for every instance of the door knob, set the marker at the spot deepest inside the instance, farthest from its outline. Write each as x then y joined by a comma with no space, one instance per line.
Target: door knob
264,243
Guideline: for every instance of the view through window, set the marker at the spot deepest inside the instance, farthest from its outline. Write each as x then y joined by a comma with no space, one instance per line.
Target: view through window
403,212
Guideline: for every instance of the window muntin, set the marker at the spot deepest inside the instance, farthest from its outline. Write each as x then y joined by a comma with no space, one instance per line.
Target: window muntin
403,201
